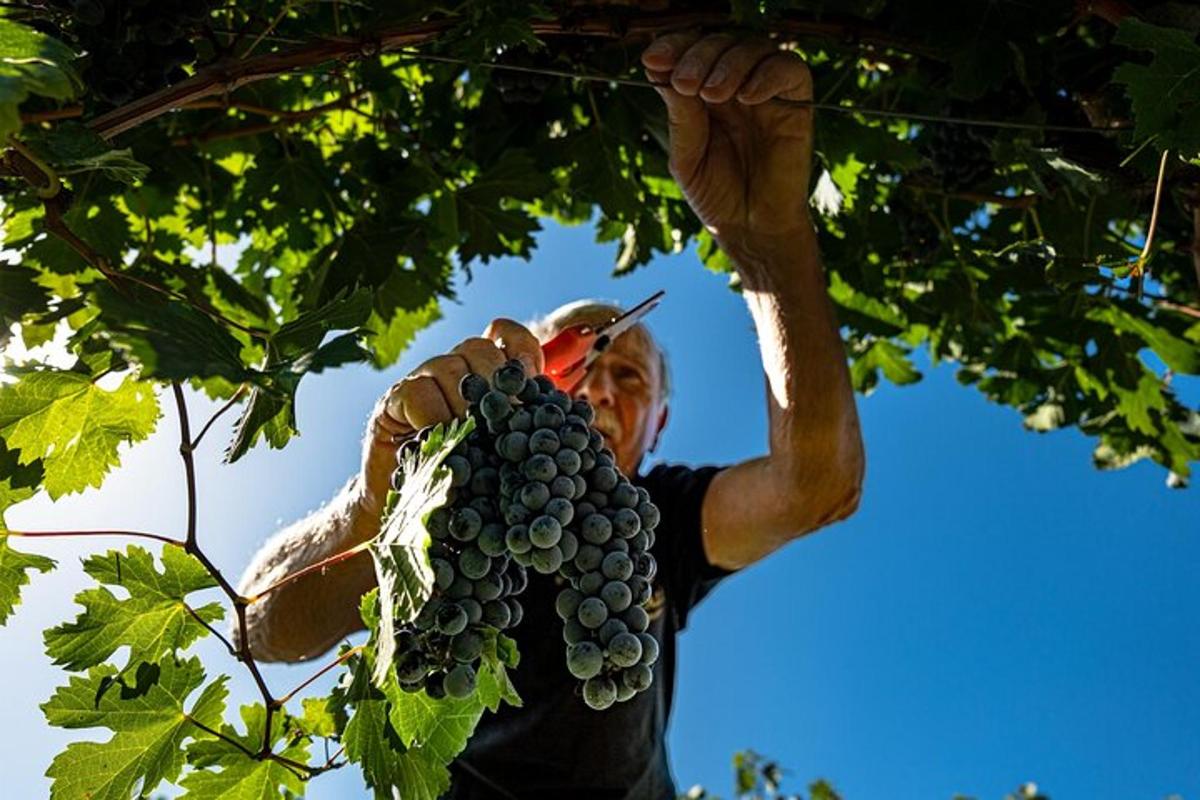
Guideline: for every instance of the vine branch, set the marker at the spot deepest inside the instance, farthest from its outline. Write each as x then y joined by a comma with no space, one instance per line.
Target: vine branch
340,660
320,565
137,534
214,631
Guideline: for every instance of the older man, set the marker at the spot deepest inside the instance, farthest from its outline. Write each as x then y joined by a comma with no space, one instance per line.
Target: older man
743,164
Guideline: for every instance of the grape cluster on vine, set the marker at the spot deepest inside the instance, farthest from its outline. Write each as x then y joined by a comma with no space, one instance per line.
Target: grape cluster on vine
130,47
534,487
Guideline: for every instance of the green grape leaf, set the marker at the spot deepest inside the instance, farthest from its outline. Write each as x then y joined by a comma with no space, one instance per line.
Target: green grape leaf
1166,92
489,227
241,777
155,620
293,351
390,338
31,63
1178,354
20,294
150,724
882,354
402,567
318,718
17,483
72,425
170,339
72,148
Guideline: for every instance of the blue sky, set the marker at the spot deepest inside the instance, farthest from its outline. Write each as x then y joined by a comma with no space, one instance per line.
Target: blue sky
996,612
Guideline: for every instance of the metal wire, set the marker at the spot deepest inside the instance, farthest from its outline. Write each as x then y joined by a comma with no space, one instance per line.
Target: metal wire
844,109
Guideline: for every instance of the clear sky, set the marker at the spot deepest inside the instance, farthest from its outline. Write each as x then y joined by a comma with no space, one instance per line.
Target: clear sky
997,611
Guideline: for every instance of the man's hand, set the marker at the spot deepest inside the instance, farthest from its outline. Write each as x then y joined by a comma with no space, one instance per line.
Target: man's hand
743,163
429,395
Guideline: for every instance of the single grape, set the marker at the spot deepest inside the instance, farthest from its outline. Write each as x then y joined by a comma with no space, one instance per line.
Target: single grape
626,523
591,583
516,611
609,629
584,660
615,594
644,565
650,648
474,564
548,416
598,499
639,542
592,612
624,495
540,467
583,409
520,579
561,399
636,618
498,613
516,514
524,559
485,506
639,677
490,587
473,608
411,667
583,508
466,646
625,649
473,387
599,693
547,560
517,539
641,590
603,478
574,435
574,632
460,470
567,603
534,495
495,406
529,392
544,441
617,566
545,531
562,486
589,557
568,462
561,509
513,446
569,544
460,681
451,619
595,529
485,481
434,686
649,514
465,524
587,459
492,539
443,573
509,378
545,385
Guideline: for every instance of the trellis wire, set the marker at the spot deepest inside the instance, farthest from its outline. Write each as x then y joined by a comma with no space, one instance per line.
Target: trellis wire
844,109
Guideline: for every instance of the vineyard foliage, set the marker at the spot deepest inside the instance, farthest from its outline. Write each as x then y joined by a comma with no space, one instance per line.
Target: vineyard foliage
355,157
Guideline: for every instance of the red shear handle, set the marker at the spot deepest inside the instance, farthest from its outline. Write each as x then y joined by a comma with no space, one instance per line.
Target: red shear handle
566,355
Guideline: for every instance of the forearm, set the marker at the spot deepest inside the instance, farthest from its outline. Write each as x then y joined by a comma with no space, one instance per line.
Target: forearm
815,440
305,617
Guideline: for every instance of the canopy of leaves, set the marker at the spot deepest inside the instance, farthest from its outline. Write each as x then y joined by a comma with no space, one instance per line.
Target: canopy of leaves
379,170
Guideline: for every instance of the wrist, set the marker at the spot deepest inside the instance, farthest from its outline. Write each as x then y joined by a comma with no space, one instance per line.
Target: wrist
758,253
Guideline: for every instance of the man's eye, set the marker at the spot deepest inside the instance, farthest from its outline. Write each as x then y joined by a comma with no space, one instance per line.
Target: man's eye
628,375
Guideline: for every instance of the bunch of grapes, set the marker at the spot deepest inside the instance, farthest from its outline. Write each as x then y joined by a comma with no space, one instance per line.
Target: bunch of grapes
534,487
132,47
958,154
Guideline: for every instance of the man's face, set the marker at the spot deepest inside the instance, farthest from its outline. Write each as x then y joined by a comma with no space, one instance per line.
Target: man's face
624,385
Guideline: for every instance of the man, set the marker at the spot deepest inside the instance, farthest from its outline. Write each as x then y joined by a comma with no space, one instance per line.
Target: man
744,166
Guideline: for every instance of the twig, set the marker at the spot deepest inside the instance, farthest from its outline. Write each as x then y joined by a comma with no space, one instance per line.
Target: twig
214,631
285,118
336,753
1143,259
232,401
189,464
320,565
218,734
136,534
67,112
340,660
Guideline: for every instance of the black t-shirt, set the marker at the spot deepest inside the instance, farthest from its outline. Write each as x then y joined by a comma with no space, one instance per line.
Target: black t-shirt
554,746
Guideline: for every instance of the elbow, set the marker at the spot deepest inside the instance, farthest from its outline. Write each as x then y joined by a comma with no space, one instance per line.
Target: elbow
827,493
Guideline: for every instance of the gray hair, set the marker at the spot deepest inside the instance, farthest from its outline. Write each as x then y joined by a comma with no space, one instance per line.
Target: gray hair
546,326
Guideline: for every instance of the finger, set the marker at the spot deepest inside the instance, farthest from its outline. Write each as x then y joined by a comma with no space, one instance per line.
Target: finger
385,428
517,342
783,74
687,125
417,401
482,355
694,66
666,49
734,67
448,371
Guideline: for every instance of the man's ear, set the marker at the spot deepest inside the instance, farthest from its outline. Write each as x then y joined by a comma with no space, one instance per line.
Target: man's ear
662,423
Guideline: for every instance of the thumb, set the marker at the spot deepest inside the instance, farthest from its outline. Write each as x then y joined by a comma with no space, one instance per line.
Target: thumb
687,119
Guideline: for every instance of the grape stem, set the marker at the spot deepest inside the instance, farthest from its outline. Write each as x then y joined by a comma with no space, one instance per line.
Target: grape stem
232,650
232,401
340,660
320,565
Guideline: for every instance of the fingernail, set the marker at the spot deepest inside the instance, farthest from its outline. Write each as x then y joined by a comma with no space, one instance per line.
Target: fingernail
688,71
716,76
659,48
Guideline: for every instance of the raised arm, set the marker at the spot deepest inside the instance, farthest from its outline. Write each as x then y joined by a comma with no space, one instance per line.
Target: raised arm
306,617
744,165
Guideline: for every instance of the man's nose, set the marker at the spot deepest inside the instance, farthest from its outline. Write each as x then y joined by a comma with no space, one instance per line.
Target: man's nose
596,388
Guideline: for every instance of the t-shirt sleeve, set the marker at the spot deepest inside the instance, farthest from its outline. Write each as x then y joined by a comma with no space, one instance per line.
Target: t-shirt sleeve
683,569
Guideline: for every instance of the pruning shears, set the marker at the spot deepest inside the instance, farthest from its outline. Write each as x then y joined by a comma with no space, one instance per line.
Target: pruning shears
573,350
